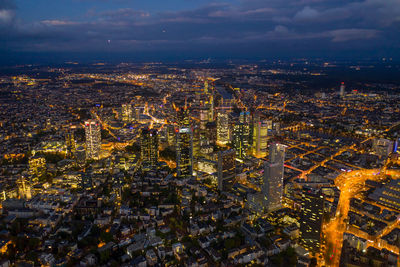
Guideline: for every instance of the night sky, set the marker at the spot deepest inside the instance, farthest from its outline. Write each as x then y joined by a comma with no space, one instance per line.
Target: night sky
180,29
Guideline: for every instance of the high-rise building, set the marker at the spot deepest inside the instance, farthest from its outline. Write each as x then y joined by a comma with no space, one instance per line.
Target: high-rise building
244,118
171,135
149,147
126,112
70,141
93,139
277,128
182,117
277,153
272,188
312,211
211,132
240,137
382,147
260,138
226,169
238,140
80,155
222,127
196,141
184,152
342,88
211,108
203,118
251,130
136,113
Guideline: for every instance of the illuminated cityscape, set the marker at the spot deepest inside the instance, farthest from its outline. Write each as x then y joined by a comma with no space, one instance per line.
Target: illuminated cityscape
200,133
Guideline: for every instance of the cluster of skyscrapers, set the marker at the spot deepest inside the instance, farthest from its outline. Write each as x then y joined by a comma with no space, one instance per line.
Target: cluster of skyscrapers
217,139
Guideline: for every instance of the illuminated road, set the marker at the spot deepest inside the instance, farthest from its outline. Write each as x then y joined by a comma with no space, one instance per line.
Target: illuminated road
350,185
342,150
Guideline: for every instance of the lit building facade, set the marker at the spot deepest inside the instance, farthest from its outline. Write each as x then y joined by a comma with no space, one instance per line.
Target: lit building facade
238,140
260,138
184,152
149,147
126,112
312,211
226,169
182,117
273,178
240,136
222,127
70,141
93,139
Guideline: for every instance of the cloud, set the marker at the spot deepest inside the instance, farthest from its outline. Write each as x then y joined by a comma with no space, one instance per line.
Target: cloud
281,29
6,16
124,13
253,24
306,13
344,35
59,22
7,12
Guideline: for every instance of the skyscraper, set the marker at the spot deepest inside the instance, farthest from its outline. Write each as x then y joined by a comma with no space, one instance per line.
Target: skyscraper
312,210
237,140
70,141
342,88
211,108
136,113
222,127
226,169
127,112
149,147
260,138
184,152
182,117
171,135
240,138
93,139
80,155
203,117
196,140
211,132
273,177
244,118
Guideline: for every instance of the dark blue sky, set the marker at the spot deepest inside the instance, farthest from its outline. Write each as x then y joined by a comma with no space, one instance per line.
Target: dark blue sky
243,29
